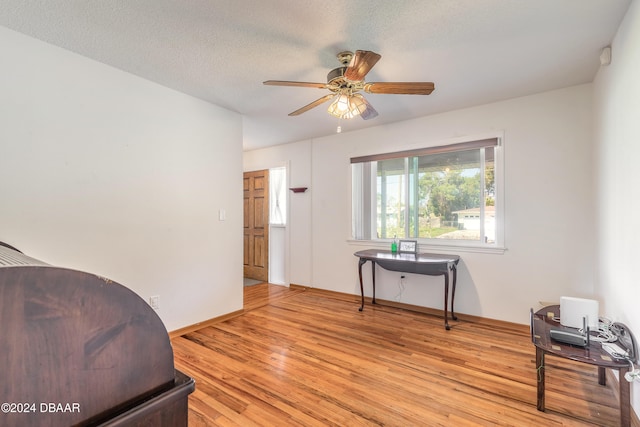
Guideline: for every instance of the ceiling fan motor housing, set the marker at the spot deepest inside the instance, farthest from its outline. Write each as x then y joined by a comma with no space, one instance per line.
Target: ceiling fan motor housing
336,76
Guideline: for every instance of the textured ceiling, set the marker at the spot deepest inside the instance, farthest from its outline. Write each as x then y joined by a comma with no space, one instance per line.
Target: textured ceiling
476,51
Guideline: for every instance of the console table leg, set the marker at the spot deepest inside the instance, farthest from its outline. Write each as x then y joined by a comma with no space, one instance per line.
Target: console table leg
602,376
454,270
360,262
446,301
625,399
540,376
373,281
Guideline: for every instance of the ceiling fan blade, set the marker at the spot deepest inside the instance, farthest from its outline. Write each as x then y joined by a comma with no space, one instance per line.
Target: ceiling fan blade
360,64
312,105
298,84
400,88
370,112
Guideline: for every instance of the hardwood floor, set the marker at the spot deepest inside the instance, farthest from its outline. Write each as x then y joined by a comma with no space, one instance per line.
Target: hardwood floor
310,358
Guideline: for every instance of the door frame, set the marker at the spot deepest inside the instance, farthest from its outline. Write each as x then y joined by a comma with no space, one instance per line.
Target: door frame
285,250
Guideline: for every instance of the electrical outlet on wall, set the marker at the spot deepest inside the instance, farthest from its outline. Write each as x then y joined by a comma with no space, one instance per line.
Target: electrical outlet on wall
154,302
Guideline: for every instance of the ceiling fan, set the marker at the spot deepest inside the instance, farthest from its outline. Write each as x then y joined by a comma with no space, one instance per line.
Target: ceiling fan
347,81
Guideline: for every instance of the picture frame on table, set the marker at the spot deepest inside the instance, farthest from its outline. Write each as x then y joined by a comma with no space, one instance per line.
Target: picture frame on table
408,246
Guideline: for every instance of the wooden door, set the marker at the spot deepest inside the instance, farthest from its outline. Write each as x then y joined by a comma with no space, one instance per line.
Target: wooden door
256,225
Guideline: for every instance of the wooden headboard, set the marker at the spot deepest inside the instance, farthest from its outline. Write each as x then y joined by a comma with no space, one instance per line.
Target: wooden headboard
79,349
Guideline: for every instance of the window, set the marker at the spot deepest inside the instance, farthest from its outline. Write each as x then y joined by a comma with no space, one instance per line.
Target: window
278,196
439,195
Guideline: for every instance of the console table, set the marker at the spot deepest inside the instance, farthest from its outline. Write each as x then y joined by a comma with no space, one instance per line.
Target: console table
429,264
543,321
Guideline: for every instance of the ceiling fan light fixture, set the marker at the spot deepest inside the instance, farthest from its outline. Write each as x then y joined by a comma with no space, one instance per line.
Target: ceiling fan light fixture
350,114
357,103
333,110
343,104
347,106
340,106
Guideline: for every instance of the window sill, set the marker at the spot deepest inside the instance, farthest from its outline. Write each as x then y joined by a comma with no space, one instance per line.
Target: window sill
430,247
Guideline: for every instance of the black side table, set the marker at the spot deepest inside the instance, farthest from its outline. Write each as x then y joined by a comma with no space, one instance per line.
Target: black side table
543,321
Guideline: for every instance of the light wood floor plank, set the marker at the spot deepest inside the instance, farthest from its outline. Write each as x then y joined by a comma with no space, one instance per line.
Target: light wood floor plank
310,358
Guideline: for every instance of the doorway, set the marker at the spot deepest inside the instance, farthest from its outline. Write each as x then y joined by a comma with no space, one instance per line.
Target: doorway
256,225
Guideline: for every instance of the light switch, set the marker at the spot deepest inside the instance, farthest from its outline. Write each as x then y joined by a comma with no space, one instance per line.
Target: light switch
222,215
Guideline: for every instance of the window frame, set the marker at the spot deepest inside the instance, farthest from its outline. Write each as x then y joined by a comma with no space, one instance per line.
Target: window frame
426,244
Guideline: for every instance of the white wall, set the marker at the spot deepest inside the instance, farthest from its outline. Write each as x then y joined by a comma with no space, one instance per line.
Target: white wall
104,172
277,254
550,248
617,137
